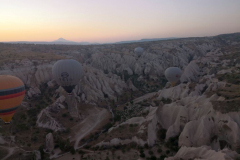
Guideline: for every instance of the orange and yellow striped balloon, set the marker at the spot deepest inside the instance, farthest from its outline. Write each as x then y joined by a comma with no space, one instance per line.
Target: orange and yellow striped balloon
12,91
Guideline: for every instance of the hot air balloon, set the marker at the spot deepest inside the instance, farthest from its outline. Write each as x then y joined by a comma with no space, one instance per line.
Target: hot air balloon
173,74
138,51
67,74
12,91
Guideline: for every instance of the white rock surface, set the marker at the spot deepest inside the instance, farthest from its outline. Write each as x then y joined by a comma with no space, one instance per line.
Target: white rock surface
191,72
45,120
203,153
117,141
221,126
49,144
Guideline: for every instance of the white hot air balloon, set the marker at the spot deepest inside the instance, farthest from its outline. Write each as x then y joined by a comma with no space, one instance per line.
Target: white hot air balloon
173,74
67,73
138,51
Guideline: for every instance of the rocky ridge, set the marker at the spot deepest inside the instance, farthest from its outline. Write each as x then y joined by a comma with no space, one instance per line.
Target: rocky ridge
187,110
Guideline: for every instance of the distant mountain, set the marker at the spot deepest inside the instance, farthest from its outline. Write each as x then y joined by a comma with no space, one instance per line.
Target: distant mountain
63,41
60,41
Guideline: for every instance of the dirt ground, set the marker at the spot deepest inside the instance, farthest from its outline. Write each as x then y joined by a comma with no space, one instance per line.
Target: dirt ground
97,118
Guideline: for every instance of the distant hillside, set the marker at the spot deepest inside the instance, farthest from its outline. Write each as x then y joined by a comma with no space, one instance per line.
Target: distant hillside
63,41
146,40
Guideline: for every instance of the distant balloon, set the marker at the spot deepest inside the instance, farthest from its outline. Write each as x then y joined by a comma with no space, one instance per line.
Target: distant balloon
67,73
12,91
138,51
173,74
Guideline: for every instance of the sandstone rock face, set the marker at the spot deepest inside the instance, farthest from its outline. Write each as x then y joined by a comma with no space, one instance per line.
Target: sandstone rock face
195,118
33,92
30,74
189,113
191,72
37,155
72,106
153,61
203,152
93,86
176,115
49,144
211,129
100,80
135,120
117,141
45,120
96,85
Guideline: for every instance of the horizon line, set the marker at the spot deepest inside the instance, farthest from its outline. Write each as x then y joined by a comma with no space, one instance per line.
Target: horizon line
69,41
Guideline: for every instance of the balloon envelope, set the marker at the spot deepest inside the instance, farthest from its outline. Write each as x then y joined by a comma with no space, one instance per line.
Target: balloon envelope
138,51
12,91
173,74
67,73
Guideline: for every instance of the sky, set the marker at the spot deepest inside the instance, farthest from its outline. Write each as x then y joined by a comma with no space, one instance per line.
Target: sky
115,20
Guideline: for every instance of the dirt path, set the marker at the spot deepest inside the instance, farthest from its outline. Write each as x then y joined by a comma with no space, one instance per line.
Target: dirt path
10,151
97,119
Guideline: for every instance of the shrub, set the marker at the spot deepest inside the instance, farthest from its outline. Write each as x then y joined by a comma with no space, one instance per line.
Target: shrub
105,95
142,155
64,115
159,150
133,145
81,152
86,146
23,116
153,158
237,158
67,130
34,138
162,133
172,143
22,127
166,100
145,145
72,150
123,150
141,151
162,157
117,118
156,103
150,152
108,125
167,151
41,151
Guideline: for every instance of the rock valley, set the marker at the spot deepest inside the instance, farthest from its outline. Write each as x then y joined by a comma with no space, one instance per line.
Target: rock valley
123,107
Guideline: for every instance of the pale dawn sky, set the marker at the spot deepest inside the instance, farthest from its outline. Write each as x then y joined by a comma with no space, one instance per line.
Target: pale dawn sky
112,20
